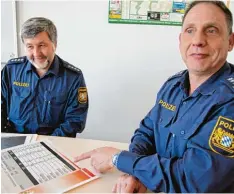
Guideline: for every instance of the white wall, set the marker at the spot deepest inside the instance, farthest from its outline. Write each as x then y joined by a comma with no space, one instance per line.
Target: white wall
124,65
8,31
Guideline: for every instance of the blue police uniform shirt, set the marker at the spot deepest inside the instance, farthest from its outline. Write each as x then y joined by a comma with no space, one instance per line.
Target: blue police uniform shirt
186,143
55,104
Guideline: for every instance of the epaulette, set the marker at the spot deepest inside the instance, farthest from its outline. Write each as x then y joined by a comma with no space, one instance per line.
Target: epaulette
179,74
230,82
16,60
71,67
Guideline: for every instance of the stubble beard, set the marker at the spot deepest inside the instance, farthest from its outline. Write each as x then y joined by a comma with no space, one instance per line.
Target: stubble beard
41,66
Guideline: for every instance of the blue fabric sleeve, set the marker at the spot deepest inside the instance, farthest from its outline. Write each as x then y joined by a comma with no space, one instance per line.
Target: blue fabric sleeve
6,126
76,113
143,140
199,169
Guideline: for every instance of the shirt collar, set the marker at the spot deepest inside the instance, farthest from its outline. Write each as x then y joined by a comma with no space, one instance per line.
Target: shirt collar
54,68
183,82
208,87
28,66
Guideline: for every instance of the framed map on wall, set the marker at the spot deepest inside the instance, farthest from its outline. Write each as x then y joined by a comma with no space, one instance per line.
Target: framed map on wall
155,12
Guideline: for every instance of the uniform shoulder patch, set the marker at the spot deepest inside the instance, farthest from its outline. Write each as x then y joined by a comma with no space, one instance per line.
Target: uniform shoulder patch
16,60
222,137
82,95
179,74
71,67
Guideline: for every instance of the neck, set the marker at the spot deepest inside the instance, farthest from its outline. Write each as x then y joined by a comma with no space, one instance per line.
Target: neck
41,72
196,81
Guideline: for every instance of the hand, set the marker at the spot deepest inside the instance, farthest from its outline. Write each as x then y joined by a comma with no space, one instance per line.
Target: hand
101,158
128,184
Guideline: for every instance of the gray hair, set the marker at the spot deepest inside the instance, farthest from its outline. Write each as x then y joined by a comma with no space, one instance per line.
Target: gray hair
221,5
36,25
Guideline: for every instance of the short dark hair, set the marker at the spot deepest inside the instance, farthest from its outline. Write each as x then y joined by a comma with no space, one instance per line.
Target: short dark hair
34,26
221,5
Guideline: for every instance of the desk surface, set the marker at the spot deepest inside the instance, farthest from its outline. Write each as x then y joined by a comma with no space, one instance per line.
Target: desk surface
75,146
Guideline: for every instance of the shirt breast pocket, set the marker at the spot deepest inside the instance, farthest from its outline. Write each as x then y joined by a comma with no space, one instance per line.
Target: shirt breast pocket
54,107
162,136
182,132
20,102
60,99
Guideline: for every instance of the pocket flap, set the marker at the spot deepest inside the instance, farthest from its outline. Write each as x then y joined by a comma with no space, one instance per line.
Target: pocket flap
61,98
166,121
184,130
55,98
20,91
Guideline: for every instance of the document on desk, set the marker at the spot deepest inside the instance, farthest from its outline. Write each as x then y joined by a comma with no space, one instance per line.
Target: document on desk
39,168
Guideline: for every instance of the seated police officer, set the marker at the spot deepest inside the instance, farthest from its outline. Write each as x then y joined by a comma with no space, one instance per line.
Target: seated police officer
186,142
42,93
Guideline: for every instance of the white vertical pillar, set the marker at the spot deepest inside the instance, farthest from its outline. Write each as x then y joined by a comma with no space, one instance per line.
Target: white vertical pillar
15,32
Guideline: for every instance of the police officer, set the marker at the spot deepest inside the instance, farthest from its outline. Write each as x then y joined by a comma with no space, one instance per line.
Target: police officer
186,142
42,93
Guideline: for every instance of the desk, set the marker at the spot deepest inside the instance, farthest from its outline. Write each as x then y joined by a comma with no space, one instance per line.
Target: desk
75,146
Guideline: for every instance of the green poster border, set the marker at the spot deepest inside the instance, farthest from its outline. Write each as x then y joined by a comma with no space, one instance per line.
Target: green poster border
130,21
145,22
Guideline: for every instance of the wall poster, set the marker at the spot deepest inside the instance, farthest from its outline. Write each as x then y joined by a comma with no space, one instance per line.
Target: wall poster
155,12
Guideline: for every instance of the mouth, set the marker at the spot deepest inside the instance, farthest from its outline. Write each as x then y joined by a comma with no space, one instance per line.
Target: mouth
40,59
199,55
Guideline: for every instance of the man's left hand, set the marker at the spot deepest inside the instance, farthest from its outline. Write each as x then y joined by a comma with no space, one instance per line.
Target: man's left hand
101,158
128,184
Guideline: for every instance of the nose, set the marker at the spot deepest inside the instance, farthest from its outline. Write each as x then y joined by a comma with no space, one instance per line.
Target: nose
36,52
199,39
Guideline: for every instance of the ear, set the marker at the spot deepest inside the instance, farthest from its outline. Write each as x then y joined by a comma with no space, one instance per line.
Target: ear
54,46
231,42
180,38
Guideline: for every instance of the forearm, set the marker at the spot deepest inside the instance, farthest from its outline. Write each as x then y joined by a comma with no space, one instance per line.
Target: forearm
143,142
76,111
71,128
179,175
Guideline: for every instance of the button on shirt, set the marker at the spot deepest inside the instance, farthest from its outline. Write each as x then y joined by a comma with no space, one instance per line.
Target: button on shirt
47,105
186,143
